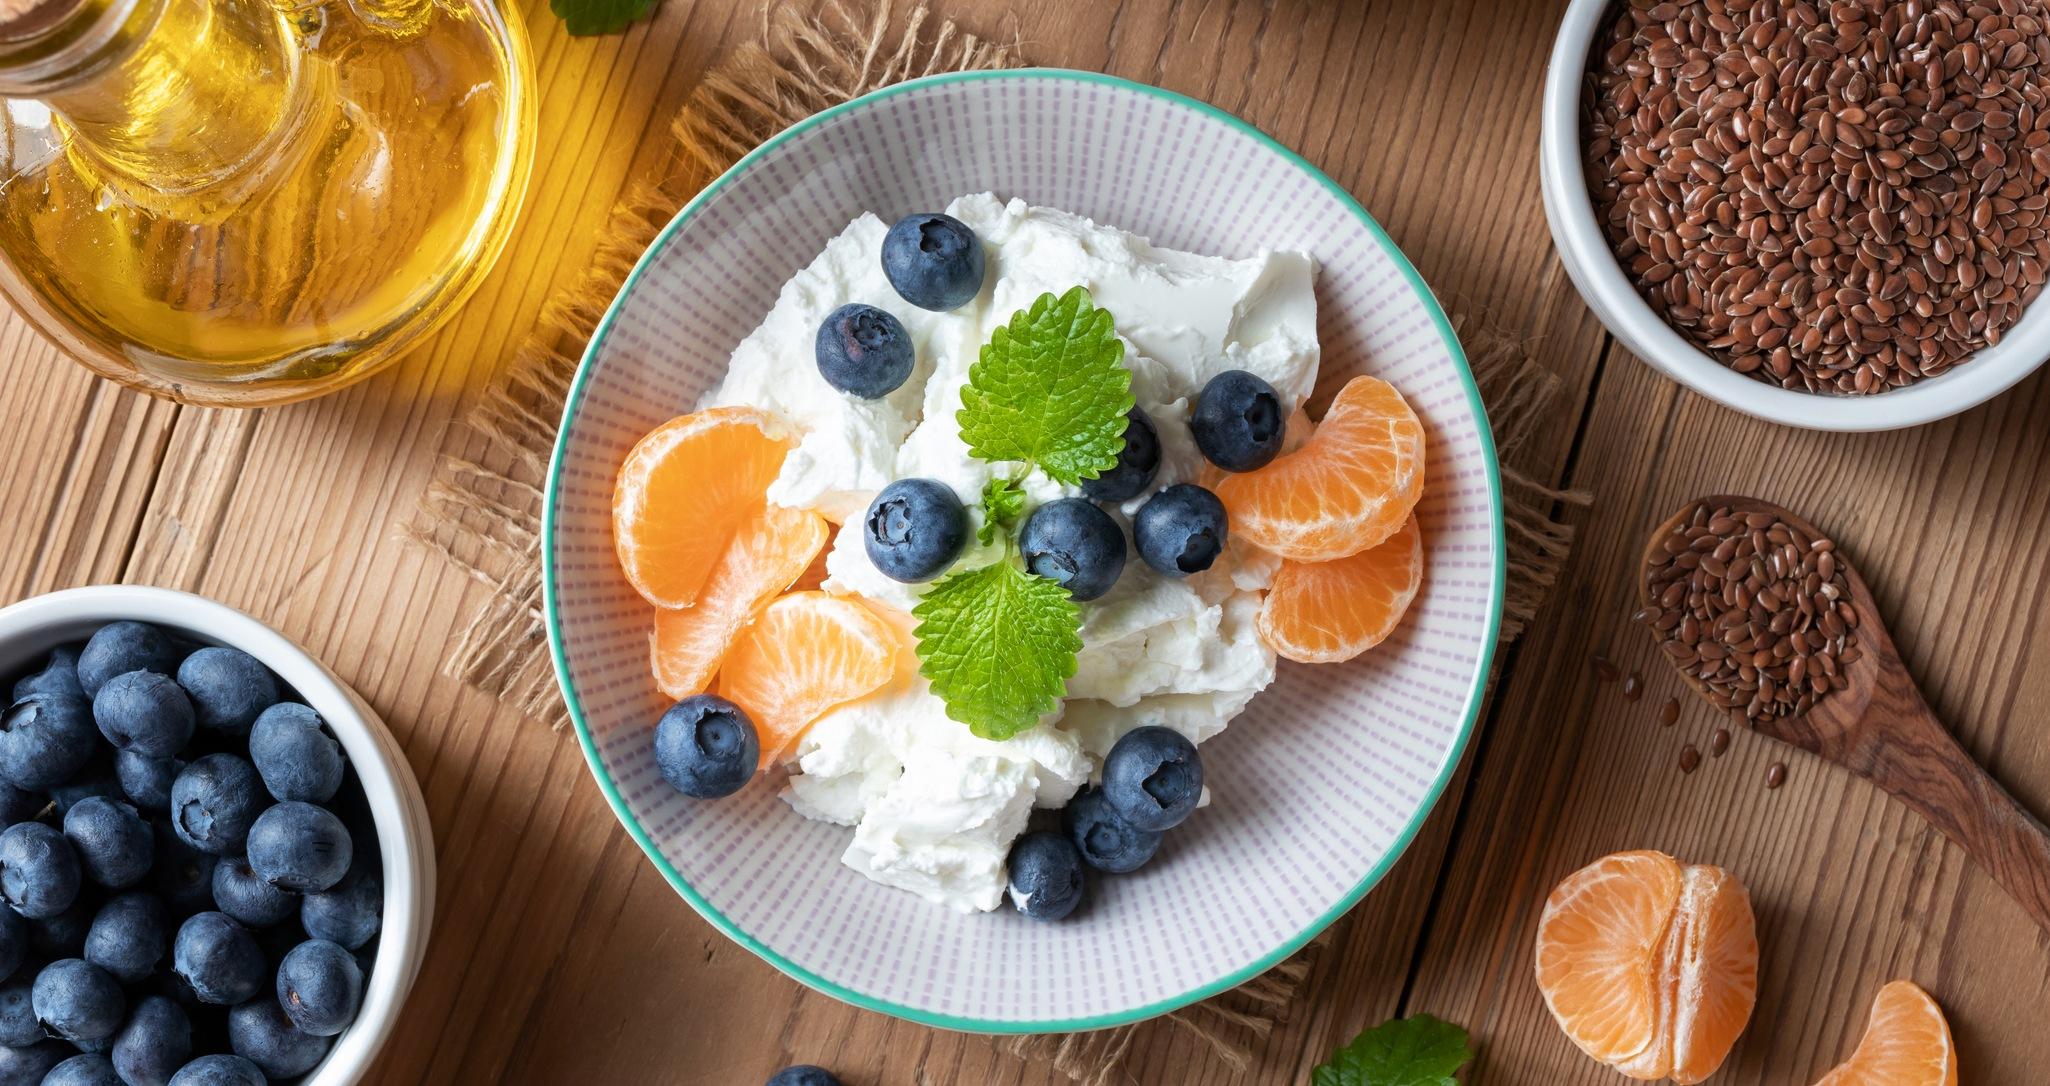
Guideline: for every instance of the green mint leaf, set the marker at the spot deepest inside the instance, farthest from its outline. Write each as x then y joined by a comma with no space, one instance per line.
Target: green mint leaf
587,17
1002,501
1051,390
998,645
1419,1051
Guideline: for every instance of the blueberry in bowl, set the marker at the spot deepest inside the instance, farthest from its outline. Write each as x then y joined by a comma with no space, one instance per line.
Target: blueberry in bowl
933,261
1239,422
914,529
1072,542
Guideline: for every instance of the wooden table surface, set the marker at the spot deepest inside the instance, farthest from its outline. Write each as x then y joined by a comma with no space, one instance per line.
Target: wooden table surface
559,955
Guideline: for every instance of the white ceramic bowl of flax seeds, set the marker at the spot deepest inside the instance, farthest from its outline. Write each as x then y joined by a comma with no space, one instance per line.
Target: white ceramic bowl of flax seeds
1602,281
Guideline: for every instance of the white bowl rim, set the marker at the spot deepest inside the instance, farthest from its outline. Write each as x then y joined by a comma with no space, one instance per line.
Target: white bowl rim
392,792
1400,844
1594,269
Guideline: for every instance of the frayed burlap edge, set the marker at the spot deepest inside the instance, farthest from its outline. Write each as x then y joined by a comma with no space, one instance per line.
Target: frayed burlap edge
482,510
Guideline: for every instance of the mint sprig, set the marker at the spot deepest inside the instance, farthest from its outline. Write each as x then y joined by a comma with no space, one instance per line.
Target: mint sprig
998,645
1002,503
1418,1051
1050,390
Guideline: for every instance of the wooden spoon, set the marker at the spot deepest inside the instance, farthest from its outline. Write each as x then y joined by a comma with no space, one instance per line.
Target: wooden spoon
1878,727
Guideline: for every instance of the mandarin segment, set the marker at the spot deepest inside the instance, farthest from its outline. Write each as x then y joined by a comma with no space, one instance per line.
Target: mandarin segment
1349,487
682,494
1326,612
806,653
1907,1043
767,556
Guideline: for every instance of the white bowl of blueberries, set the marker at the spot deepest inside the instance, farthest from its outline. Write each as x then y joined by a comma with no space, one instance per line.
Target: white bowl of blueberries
215,866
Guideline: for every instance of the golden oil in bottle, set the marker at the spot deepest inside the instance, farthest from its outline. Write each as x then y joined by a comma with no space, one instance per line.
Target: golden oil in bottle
245,202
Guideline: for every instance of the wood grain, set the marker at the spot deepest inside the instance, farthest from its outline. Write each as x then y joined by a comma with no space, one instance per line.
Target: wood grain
560,956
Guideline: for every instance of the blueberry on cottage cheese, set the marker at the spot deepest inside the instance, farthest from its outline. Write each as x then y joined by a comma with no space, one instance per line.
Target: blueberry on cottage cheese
706,747
1047,879
229,688
129,936
1106,841
39,874
182,875
121,647
1153,777
1072,543
933,261
299,847
1180,530
27,1065
58,676
320,987
154,1042
1239,421
219,1069
864,351
259,1032
146,781
84,1069
77,1001
1137,463
144,712
45,739
804,1074
914,530
113,843
215,801
219,959
294,754
243,894
352,911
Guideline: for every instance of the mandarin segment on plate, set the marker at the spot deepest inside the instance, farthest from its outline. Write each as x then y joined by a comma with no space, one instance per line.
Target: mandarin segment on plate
807,652
1906,1043
767,555
1349,487
1327,612
1649,966
684,491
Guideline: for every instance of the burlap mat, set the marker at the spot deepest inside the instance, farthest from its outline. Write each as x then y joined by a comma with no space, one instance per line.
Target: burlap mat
482,511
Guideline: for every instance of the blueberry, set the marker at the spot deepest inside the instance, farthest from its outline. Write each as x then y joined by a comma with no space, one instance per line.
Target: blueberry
13,942
129,936
182,875
320,987
218,958
26,1065
804,1074
259,1032
1106,841
299,847
58,676
39,874
350,913
295,757
121,647
219,1069
18,1025
1071,542
146,781
242,894
229,688
915,529
145,712
1180,530
1047,879
1239,421
1137,463
153,1044
84,1069
78,1001
934,261
864,351
706,747
1153,777
45,739
113,843
215,801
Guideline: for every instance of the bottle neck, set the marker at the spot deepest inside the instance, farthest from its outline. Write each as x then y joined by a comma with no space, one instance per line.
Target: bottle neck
172,94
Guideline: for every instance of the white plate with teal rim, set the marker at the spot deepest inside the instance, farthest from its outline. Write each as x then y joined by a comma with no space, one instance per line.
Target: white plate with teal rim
1317,788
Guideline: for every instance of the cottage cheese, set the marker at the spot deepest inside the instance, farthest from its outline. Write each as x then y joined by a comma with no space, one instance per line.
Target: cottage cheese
935,809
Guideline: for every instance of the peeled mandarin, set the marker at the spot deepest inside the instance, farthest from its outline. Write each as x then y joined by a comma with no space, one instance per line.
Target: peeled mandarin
682,494
1906,1043
766,556
1349,487
1326,612
1651,967
806,653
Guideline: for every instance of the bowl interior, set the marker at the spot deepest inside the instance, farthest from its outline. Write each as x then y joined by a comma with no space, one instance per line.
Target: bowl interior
1316,788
